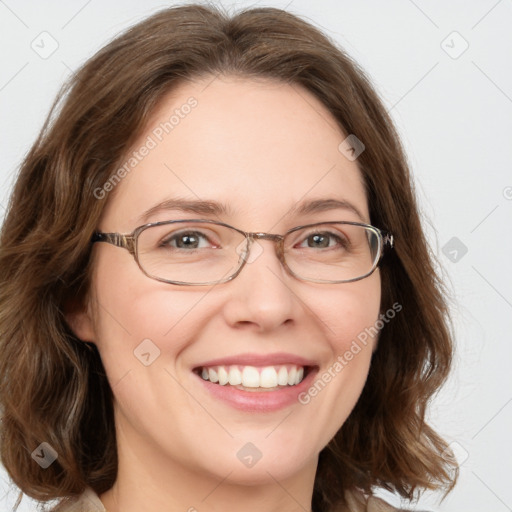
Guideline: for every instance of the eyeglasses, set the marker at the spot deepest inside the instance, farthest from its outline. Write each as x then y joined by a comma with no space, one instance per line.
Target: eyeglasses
206,252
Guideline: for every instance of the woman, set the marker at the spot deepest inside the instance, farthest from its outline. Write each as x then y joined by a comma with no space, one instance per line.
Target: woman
172,358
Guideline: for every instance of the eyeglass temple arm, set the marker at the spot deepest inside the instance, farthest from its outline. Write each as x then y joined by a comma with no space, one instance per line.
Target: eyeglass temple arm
119,240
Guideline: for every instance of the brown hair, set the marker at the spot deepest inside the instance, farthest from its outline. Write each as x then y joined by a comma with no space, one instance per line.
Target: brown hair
53,386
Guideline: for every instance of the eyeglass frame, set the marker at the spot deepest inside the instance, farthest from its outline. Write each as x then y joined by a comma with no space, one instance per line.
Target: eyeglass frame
129,242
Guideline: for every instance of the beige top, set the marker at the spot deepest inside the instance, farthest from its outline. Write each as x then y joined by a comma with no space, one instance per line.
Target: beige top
90,502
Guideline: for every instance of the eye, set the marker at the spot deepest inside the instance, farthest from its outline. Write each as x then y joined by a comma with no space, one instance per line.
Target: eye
324,239
186,240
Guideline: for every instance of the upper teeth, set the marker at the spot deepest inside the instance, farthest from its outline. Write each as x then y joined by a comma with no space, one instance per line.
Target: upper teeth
254,377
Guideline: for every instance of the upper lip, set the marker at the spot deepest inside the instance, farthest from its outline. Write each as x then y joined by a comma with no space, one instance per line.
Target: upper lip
258,360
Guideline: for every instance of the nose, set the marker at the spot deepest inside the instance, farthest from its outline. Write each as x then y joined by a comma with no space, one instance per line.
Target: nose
261,297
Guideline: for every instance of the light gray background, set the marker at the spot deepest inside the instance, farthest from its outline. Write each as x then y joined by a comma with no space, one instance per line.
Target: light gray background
454,113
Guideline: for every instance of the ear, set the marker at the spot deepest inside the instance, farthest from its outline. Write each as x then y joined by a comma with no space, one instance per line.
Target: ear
79,318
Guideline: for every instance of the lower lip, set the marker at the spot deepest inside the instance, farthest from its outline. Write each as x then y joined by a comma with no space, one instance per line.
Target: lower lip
259,401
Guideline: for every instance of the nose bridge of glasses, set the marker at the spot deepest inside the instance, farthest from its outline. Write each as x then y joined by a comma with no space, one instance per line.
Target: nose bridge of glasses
265,236
277,239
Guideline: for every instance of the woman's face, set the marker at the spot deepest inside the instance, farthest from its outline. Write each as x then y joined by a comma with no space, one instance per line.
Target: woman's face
263,149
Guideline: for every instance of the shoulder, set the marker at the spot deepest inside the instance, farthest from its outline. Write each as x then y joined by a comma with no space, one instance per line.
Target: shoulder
88,501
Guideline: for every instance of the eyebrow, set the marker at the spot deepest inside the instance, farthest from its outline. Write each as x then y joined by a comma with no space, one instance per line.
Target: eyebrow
209,207
200,207
323,205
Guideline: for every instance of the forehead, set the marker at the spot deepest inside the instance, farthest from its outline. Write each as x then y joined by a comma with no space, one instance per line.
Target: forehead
260,147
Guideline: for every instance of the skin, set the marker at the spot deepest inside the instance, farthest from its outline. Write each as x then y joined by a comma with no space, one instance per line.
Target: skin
261,147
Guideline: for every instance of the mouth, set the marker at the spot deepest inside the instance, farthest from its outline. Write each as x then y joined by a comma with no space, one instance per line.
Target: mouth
254,378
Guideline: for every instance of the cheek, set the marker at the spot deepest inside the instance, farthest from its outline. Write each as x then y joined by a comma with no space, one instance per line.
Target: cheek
351,312
136,316
349,315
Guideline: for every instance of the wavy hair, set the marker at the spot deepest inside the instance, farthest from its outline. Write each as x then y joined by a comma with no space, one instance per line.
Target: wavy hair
53,386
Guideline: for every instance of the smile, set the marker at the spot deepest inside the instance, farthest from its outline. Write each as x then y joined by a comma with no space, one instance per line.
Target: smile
254,377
